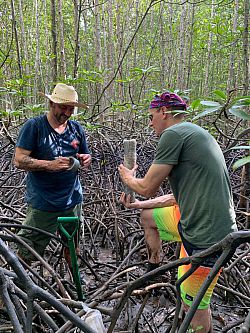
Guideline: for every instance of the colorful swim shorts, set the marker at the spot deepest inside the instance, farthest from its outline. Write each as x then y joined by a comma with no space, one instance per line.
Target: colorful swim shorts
167,220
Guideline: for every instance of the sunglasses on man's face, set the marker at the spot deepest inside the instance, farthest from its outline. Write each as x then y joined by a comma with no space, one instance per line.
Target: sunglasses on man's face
151,115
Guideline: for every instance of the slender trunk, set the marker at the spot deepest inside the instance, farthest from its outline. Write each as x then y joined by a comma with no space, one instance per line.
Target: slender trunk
78,10
164,46
24,46
246,192
231,80
97,34
209,53
136,23
19,60
110,47
63,72
191,33
119,48
37,60
181,56
171,49
47,63
54,40
246,48
98,52
104,33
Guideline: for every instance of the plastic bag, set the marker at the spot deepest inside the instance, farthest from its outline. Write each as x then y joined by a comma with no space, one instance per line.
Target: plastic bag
93,318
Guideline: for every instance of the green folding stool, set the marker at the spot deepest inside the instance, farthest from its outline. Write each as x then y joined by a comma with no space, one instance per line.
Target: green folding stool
72,251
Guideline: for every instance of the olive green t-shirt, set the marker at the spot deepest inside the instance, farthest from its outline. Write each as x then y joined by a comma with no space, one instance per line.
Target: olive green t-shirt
199,181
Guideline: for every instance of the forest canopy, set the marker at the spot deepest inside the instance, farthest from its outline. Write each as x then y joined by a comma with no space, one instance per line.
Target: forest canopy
118,53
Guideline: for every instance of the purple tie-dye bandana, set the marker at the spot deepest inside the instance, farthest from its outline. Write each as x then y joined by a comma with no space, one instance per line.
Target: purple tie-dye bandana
168,100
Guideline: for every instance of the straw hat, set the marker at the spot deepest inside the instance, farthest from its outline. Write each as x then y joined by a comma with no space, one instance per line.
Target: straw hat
63,94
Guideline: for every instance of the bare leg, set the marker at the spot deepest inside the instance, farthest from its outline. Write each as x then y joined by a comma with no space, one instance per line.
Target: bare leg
152,237
201,322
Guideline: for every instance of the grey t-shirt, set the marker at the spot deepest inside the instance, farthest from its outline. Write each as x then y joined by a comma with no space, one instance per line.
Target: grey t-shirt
199,181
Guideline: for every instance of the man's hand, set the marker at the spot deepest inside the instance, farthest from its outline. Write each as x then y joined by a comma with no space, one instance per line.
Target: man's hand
126,173
85,160
58,164
125,199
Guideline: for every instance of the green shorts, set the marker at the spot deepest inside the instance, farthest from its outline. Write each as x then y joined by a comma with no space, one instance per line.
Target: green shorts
166,220
46,221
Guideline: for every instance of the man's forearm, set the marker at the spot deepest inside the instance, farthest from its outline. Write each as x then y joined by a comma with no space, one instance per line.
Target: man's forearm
158,202
150,183
141,186
28,163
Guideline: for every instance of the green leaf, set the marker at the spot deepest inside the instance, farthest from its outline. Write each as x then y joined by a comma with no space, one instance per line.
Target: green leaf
3,89
122,80
195,104
210,103
220,94
3,113
241,98
240,147
240,113
92,126
206,112
16,113
241,162
243,101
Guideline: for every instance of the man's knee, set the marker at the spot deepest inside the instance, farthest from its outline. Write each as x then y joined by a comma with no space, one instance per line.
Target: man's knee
147,218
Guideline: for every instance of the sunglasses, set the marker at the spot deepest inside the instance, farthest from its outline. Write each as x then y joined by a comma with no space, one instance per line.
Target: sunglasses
151,116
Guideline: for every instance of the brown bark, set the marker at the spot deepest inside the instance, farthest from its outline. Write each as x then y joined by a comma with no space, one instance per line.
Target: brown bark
78,10
231,81
54,40
63,72
19,60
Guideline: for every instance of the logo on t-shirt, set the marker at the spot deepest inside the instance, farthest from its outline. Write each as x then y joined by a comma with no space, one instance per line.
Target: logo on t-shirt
75,144
189,298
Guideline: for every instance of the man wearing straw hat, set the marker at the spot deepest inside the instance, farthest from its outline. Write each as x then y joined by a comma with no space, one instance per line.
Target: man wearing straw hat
50,148
194,164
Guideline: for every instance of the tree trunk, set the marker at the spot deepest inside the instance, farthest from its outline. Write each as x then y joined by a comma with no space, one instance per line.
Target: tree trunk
19,60
119,49
209,53
77,15
181,55
135,40
164,46
110,48
191,32
231,81
246,48
171,42
47,51
24,47
37,61
63,71
98,53
245,92
54,41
